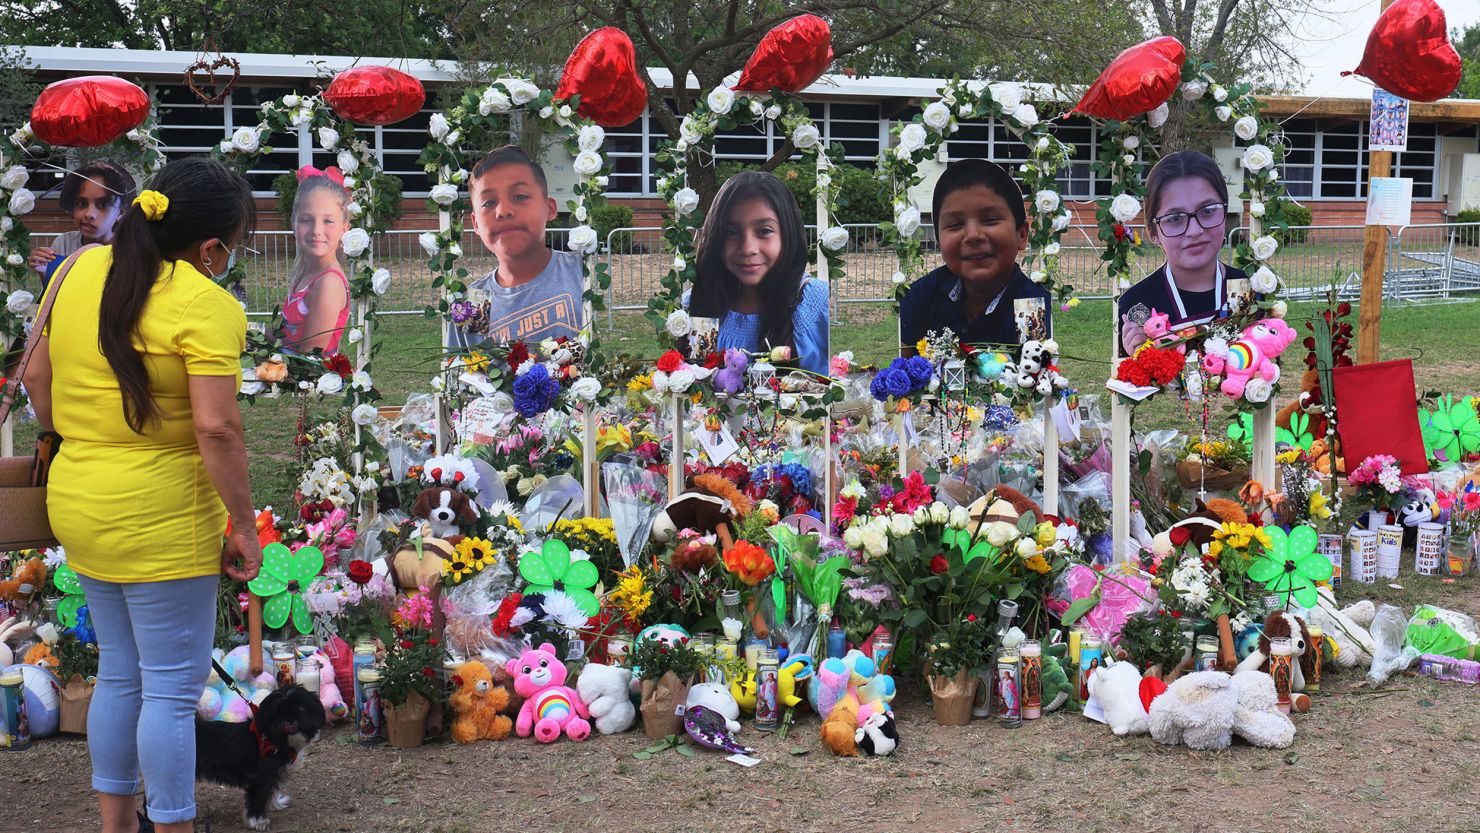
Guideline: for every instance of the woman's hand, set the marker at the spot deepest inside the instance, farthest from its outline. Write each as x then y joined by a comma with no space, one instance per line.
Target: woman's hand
242,558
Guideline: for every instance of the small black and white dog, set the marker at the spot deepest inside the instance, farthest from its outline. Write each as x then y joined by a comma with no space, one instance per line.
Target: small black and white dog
258,756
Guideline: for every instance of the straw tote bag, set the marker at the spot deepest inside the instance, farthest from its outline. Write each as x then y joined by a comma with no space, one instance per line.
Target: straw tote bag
24,524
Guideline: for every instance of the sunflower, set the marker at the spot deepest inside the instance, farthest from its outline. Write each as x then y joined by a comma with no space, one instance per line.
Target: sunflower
478,553
457,568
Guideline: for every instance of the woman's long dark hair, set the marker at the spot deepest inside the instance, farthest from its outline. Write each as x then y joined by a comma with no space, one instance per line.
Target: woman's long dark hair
207,200
716,289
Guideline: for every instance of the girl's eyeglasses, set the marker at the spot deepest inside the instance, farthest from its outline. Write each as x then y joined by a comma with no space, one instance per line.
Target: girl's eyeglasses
1175,224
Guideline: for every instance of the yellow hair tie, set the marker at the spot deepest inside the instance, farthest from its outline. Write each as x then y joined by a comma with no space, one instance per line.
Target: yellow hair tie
153,204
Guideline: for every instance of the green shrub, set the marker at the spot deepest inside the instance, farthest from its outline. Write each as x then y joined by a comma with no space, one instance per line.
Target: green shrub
1469,236
862,197
1294,215
605,218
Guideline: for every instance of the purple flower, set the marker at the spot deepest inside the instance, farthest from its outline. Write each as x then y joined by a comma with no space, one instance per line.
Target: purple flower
535,392
919,369
461,312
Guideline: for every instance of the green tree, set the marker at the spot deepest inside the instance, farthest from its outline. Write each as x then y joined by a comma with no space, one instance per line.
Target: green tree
1467,42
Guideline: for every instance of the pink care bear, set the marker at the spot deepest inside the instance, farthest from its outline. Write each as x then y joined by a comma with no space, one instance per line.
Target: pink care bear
549,706
1250,357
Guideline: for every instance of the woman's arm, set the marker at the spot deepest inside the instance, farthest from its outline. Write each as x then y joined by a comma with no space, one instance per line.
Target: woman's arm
37,380
327,299
223,447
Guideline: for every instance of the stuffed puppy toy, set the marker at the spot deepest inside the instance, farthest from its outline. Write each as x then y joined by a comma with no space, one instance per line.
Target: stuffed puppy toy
605,689
1117,689
1197,711
1291,627
445,509
476,704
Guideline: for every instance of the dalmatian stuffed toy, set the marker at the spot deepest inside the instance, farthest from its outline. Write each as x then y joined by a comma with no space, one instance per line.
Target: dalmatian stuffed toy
1036,368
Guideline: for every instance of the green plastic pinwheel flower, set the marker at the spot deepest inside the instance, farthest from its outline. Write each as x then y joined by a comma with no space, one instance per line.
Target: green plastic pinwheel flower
552,569
1298,434
1452,428
1292,565
66,581
1243,430
284,577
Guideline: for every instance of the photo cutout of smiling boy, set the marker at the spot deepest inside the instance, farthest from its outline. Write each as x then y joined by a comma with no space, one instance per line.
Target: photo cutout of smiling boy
534,293
1187,211
981,224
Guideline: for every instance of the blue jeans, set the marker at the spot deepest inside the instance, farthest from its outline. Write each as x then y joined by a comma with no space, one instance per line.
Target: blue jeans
154,654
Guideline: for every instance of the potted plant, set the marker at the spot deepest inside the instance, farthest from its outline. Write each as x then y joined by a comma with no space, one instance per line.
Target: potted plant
666,670
77,665
951,659
1155,642
1219,466
409,681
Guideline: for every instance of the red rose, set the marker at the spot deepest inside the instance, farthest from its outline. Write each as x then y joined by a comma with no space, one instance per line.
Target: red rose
518,354
1176,614
1120,232
712,361
432,642
670,361
971,617
939,564
360,571
407,644
457,680
428,672
339,364
1179,535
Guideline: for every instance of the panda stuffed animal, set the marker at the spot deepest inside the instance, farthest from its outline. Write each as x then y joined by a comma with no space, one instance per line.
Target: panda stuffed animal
877,736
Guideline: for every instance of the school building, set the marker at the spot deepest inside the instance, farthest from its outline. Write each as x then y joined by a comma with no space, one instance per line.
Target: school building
1325,167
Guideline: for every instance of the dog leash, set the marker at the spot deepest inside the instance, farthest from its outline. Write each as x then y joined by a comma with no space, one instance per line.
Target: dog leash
265,747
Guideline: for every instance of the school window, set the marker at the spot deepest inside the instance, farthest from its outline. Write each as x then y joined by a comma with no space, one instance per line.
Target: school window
398,147
993,140
1299,170
627,149
855,126
1327,159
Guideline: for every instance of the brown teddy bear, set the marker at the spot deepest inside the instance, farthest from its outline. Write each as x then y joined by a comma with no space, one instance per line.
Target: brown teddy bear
476,705
29,579
839,730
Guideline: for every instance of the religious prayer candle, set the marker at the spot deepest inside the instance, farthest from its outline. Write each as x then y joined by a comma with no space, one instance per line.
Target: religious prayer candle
1280,655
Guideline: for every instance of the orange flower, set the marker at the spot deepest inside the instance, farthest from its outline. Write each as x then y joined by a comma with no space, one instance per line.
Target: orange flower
1252,494
272,372
749,562
267,531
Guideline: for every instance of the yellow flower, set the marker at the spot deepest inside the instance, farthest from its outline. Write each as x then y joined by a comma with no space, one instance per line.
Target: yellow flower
923,348
631,595
1037,564
153,204
1288,456
641,383
1045,534
618,437
476,362
1073,302
478,553
458,567
1318,508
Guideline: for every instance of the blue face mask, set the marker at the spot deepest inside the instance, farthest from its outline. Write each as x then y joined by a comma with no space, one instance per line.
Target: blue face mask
230,264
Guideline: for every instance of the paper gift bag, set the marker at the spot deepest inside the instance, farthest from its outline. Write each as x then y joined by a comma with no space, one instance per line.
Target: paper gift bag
1377,413
952,697
660,701
76,697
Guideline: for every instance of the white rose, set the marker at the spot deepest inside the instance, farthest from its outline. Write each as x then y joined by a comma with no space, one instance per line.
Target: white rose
1128,159
685,201
494,100
1193,90
444,194
581,214
438,127
591,137
455,250
1256,208
1124,208
349,182
15,259
585,388
1158,117
824,180
355,336
835,238
897,278
1257,390
354,209
912,137
21,202
565,111
587,163
773,112
1257,157
937,115
806,136
681,380
1279,309
225,146
853,538
921,516
20,301
939,513
1043,144
15,177
960,517
1027,548
582,239
354,242
1223,112
361,381
348,162
1027,116
721,99
688,131
1131,142
246,140
1220,94
908,222
547,112
6,224
1246,128
1009,96
757,109
291,100
678,324
679,264
901,525
521,91
875,543
1263,281
1046,201
1051,249
998,534
1037,276
1274,176
429,244
1264,247
363,414
1062,221
330,384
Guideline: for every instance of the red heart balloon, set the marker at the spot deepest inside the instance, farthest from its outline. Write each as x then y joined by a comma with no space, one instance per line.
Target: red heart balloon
1139,80
602,70
373,95
1151,688
790,57
1409,54
88,111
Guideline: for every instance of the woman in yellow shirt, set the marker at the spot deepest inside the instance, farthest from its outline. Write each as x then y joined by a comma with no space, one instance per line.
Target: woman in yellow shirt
138,373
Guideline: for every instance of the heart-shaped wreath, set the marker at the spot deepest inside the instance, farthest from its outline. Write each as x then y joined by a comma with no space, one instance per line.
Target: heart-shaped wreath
210,89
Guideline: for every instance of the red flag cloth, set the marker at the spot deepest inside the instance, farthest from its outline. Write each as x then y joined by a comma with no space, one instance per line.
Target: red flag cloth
1377,413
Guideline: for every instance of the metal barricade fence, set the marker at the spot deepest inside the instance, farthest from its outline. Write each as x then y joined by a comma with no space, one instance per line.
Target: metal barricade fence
1434,260
1311,259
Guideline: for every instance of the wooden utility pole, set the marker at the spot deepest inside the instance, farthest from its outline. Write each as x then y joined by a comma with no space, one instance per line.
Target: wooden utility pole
1374,262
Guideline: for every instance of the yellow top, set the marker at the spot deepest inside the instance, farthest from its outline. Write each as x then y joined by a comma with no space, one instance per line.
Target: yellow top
138,507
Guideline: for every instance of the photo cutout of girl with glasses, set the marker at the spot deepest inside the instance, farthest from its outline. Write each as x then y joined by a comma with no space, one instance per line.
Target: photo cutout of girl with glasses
1187,212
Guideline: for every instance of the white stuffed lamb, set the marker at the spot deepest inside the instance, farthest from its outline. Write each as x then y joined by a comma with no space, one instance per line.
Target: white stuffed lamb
1117,689
1197,710
1258,718
604,690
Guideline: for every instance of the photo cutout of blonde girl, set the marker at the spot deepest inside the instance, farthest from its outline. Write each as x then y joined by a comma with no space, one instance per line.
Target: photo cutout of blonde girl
318,303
